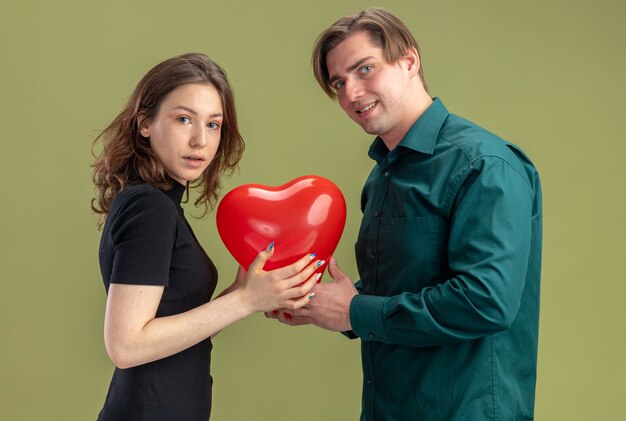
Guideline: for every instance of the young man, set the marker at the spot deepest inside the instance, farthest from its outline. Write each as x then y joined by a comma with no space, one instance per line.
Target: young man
449,249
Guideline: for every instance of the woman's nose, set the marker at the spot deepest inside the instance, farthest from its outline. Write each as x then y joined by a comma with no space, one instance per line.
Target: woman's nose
198,138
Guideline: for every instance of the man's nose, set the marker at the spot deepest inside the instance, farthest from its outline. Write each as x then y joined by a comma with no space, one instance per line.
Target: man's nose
354,90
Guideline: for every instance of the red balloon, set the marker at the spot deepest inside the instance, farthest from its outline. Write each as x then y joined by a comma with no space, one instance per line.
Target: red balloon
305,215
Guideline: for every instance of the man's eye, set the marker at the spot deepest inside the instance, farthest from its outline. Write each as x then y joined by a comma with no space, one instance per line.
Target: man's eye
184,119
366,69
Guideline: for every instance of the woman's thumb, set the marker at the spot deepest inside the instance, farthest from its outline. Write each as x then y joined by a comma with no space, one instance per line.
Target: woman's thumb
261,258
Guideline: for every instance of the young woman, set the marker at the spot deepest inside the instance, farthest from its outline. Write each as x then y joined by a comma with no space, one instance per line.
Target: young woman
178,130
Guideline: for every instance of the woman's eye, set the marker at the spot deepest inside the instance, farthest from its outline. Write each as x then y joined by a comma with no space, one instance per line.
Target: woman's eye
339,85
184,119
213,125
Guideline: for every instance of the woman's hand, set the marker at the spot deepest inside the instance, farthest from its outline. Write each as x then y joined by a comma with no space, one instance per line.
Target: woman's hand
287,287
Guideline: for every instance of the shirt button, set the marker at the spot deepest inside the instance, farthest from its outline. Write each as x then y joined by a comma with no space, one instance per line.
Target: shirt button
387,174
370,335
373,256
370,381
376,214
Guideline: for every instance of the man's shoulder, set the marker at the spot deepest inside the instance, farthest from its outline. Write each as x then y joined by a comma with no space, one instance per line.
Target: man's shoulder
471,139
474,143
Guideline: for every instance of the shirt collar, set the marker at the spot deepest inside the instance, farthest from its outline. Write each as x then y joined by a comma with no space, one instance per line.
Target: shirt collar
175,193
422,135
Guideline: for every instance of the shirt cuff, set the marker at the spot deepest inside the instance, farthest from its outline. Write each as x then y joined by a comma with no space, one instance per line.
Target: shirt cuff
349,334
366,317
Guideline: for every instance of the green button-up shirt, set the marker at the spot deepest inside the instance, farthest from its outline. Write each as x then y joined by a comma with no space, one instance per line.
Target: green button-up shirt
449,255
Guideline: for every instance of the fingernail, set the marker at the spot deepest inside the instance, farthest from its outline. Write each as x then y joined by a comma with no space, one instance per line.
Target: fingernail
312,256
311,295
320,263
271,246
318,276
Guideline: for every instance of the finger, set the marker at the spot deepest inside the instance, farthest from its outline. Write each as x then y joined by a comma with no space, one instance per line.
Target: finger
305,274
272,314
299,321
303,311
290,320
258,263
334,270
301,287
299,306
307,287
294,268
283,317
299,303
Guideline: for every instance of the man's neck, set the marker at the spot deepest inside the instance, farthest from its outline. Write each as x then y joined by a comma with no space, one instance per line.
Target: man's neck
420,103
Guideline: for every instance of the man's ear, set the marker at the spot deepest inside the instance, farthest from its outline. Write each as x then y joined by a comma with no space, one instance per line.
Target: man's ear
144,126
411,61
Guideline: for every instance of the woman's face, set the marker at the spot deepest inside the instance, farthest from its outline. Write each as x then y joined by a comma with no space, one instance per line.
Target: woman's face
185,133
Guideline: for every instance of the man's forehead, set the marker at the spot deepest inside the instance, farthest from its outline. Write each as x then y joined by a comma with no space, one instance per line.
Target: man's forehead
350,51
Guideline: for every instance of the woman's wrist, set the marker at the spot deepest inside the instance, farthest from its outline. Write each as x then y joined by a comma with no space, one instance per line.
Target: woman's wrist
242,301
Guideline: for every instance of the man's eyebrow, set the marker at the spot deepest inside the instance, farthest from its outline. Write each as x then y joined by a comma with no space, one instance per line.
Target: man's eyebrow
193,112
351,68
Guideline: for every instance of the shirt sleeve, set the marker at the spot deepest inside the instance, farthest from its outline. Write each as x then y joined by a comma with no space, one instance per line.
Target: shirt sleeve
488,250
143,237
349,333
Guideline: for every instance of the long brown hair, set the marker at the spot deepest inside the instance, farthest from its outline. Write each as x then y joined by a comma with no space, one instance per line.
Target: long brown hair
126,153
385,30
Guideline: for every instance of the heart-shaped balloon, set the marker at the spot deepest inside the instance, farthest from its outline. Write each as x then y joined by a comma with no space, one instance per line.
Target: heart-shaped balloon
305,215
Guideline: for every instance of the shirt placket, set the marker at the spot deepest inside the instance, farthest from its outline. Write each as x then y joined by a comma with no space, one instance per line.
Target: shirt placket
378,199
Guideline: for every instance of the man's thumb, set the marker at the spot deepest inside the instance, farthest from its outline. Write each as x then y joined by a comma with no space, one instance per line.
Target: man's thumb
335,271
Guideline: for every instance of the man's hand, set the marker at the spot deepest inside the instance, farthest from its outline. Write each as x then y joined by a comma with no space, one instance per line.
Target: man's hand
329,308
287,318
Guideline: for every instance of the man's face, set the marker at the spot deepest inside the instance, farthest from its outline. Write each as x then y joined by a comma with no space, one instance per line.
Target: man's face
373,92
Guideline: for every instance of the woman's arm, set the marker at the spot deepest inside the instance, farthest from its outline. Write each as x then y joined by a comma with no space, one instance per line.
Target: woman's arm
133,335
241,275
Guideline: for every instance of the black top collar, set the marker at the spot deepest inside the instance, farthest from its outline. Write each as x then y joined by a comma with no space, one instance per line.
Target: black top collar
176,192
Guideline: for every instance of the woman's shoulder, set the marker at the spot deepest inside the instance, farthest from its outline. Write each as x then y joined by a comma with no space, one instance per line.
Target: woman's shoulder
142,192
141,198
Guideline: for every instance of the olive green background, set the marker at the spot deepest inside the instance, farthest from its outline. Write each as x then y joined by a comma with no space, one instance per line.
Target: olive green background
547,75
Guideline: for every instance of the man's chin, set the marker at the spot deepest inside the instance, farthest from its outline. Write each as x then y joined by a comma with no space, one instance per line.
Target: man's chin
371,130
368,127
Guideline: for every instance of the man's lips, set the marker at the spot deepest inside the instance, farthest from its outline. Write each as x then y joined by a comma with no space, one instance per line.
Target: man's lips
366,108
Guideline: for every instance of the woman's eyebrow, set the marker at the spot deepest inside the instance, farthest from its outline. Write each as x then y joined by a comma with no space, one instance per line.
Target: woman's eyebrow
193,112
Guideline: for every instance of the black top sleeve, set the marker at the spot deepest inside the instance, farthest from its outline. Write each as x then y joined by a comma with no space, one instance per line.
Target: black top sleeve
143,235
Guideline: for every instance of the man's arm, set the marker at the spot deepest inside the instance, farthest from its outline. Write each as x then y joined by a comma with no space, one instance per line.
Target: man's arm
488,249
